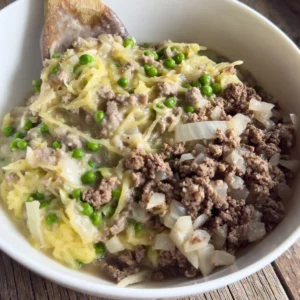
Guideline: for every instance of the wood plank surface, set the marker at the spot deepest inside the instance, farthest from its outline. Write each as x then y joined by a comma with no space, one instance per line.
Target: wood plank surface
278,281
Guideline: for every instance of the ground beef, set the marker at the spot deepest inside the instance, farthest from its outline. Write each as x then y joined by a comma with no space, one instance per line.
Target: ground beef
149,164
123,265
106,93
119,225
128,67
192,96
229,140
273,213
258,176
101,195
172,258
112,119
138,179
11,178
167,89
149,60
46,156
172,151
237,97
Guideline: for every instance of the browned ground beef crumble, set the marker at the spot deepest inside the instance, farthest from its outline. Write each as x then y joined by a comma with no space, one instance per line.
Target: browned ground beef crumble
188,182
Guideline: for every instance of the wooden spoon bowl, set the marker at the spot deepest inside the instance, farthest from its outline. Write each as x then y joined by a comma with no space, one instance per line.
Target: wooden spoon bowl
66,20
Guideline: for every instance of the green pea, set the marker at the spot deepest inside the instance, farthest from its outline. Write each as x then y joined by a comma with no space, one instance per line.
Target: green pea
86,59
171,102
128,43
145,45
189,109
153,53
45,204
131,91
123,82
36,84
96,218
169,63
77,153
99,116
38,196
8,130
56,145
116,194
205,79
87,209
138,228
118,65
54,70
30,199
173,48
92,164
196,84
76,68
161,52
14,145
207,90
150,71
110,211
159,105
28,125
19,135
57,55
76,194
100,249
94,147
179,58
217,89
88,177
44,128
22,145
51,219
187,86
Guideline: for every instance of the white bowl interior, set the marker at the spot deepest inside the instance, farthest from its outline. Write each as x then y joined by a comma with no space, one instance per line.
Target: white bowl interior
224,25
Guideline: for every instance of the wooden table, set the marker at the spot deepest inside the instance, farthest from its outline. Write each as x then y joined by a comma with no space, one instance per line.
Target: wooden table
277,281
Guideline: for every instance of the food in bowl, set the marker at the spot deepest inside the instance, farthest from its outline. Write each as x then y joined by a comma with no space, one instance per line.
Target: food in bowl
146,161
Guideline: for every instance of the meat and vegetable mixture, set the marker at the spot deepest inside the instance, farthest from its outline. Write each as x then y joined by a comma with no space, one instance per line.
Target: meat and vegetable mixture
148,161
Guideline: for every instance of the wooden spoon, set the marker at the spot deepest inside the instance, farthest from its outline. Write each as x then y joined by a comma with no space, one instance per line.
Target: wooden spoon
66,20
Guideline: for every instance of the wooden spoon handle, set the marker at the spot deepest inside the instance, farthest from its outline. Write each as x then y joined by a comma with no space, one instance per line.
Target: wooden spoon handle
66,20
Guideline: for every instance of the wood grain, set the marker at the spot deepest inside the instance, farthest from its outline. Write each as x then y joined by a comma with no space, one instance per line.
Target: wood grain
278,281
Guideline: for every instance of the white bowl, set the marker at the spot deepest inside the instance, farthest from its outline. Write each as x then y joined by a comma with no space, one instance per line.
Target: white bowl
227,26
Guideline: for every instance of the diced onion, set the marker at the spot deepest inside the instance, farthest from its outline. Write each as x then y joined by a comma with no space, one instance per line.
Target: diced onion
283,191
178,239
292,165
216,113
176,210
205,259
74,60
295,120
219,237
34,221
199,148
201,158
220,187
184,224
114,245
260,106
135,278
263,117
198,240
235,182
200,221
257,230
200,130
186,156
222,258
139,214
239,123
237,160
274,160
160,175
163,242
240,193
157,199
